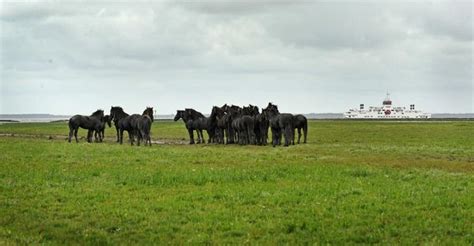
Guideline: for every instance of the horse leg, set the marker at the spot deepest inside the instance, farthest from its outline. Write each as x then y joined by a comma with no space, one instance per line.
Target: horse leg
280,136
139,137
292,135
70,133
287,136
131,137
221,136
305,132
265,136
120,136
253,139
89,136
148,137
75,134
211,137
191,136
274,137
227,135
299,135
258,137
198,137
143,137
231,136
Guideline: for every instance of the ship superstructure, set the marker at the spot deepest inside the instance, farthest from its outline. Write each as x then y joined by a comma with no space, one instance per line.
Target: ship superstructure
387,111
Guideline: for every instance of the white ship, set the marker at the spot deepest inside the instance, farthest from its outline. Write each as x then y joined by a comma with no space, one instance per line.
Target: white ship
386,112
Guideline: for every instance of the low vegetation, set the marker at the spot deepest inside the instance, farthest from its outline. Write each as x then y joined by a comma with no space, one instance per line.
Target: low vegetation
354,182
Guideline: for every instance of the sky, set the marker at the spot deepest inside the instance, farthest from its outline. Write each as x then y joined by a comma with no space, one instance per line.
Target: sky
305,56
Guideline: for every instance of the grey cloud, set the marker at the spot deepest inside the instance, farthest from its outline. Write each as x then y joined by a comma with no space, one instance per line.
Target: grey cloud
305,56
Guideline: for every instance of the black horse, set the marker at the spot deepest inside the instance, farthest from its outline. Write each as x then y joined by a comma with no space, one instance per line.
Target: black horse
248,124
142,125
300,122
261,124
128,124
280,124
231,112
218,121
91,123
107,120
194,121
116,114
243,125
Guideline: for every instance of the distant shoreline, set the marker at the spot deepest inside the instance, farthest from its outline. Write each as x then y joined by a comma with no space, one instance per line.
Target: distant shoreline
24,118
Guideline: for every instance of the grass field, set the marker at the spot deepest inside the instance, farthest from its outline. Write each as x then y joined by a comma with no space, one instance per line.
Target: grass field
354,182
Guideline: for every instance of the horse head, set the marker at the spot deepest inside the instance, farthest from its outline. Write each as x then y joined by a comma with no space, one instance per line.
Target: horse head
269,112
114,111
149,112
273,107
213,112
107,119
247,110
217,112
179,115
255,110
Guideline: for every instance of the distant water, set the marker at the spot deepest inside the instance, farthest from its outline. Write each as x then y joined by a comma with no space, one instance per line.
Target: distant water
32,117
452,116
48,117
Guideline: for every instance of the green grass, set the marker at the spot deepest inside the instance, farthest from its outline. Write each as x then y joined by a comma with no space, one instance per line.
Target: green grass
354,182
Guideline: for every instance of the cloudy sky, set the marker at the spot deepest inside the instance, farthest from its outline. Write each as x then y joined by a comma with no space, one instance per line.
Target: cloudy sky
309,56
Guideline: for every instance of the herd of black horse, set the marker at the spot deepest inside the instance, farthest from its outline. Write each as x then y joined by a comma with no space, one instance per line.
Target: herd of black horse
244,125
225,125
137,126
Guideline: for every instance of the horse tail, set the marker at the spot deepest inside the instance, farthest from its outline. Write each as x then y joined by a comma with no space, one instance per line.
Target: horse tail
148,124
305,129
71,123
145,127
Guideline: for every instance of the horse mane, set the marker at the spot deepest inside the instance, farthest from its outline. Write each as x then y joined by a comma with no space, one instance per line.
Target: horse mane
117,113
194,114
148,110
99,112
